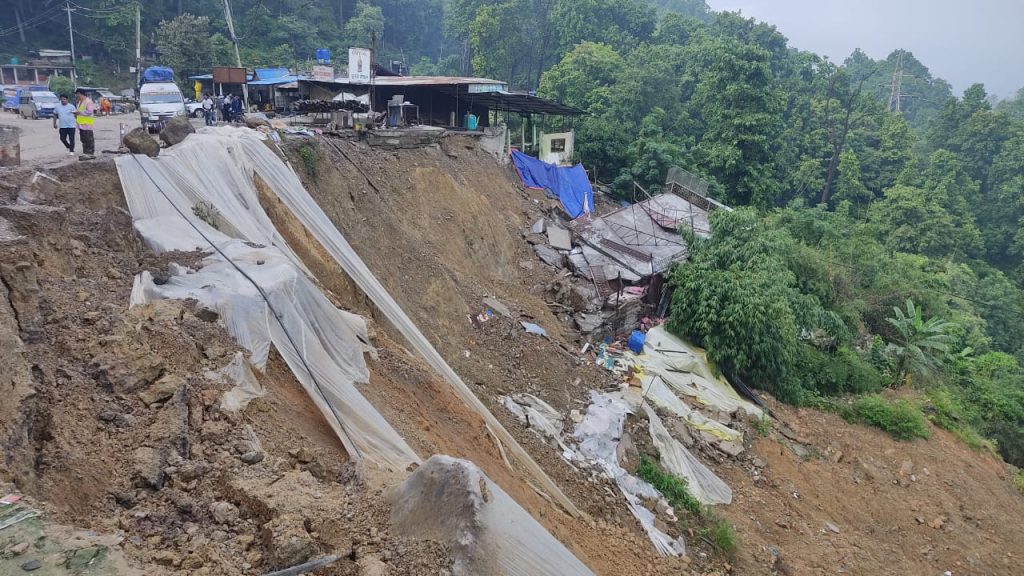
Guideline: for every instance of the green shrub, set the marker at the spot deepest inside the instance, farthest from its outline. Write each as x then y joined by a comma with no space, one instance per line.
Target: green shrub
763,426
722,535
838,373
901,419
1018,481
673,488
309,160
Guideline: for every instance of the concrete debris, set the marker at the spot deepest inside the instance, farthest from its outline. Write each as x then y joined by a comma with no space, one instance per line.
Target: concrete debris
40,189
138,141
832,527
162,389
497,306
559,238
550,256
224,512
256,119
287,541
538,227
176,130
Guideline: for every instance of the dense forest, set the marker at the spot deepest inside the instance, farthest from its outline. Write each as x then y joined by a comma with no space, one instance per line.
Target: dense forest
871,248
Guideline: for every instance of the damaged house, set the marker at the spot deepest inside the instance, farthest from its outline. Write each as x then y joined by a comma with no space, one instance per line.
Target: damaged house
620,257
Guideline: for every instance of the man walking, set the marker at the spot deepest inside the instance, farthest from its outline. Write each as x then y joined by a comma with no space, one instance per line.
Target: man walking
208,112
85,115
226,108
64,120
236,108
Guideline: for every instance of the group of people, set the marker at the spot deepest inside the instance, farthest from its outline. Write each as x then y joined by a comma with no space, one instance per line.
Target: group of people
230,108
80,116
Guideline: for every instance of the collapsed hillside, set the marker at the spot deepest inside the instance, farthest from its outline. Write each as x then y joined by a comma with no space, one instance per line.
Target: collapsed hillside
444,227
196,489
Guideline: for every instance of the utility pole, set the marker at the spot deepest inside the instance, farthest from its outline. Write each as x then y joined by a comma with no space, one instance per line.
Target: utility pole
238,57
71,34
373,67
138,45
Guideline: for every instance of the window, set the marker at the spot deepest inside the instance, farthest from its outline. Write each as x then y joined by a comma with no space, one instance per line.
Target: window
558,144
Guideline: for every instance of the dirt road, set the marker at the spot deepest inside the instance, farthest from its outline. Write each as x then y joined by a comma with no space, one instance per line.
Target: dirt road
40,143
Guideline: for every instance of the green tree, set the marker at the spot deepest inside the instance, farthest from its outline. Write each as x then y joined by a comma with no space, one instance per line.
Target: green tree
184,44
617,23
739,108
848,186
911,220
61,85
922,345
585,68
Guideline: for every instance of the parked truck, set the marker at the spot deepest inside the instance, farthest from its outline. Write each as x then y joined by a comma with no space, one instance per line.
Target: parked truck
160,99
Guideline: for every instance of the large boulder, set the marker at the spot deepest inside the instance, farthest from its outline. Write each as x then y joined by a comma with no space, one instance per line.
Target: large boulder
138,141
176,130
256,119
487,532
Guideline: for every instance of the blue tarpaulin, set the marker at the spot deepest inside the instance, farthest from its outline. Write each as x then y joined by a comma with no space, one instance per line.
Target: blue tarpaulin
156,74
569,184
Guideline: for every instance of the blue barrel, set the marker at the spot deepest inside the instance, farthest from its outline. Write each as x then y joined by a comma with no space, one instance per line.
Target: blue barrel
636,341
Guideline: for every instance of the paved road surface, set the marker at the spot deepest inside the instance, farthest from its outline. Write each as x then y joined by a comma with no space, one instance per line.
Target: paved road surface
40,142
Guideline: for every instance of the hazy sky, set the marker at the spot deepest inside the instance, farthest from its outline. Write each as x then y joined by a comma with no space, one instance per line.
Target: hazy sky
962,41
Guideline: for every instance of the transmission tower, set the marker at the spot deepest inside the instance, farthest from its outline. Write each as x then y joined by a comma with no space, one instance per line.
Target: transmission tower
896,87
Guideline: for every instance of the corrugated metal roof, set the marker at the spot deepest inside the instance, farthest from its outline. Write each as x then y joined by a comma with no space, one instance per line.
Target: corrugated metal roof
268,73
273,81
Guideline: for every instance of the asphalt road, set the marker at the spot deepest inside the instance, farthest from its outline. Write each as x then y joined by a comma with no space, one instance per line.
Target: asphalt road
40,141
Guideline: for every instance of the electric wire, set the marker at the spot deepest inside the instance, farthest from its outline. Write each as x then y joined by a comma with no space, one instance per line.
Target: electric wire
263,295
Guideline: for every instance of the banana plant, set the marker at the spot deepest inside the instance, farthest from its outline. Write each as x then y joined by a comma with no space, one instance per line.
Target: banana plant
923,344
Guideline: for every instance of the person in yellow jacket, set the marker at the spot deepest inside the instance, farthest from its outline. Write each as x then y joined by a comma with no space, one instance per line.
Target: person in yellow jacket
85,116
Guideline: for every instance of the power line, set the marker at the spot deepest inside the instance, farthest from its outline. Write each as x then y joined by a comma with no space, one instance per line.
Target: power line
31,23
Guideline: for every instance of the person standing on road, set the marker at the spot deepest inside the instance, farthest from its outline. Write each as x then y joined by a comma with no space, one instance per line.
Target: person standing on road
85,115
236,109
208,112
64,120
226,108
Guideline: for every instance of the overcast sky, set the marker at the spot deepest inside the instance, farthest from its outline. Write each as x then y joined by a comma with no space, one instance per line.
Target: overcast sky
962,41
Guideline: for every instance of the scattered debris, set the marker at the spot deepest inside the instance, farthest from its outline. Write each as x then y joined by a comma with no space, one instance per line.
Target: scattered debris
532,328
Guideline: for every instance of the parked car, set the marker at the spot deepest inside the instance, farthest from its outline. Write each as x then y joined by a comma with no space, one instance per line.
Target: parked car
38,104
13,94
195,109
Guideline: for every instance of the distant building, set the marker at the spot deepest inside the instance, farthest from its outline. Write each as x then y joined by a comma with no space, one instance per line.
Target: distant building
38,70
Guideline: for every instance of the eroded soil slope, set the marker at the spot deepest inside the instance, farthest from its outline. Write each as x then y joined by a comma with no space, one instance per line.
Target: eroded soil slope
444,226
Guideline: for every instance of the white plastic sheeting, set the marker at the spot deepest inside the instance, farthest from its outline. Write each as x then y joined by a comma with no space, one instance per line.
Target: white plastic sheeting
454,502
701,482
253,277
598,435
246,387
662,396
685,368
284,183
535,413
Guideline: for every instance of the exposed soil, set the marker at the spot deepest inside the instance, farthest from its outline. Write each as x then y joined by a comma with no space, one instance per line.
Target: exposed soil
114,425
195,490
444,226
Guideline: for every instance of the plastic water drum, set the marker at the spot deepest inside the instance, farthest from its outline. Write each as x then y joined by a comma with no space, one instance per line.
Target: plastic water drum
636,341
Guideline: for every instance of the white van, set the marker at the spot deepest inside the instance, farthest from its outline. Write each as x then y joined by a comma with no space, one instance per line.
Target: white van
158,103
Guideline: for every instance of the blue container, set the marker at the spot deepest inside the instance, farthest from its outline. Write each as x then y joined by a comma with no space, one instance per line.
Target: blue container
636,341
470,122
